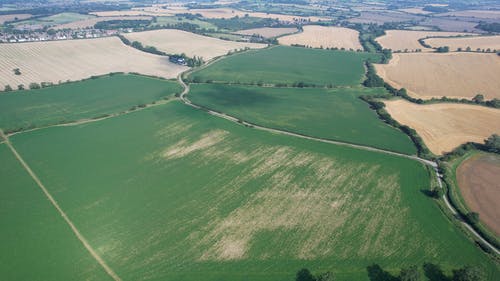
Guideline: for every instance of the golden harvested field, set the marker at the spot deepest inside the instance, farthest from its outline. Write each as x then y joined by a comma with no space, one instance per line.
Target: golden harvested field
173,41
445,126
482,42
91,22
399,40
4,18
324,36
478,179
459,75
268,32
56,61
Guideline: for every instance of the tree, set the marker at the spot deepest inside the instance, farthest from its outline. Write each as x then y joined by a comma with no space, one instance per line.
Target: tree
20,87
478,98
444,49
327,276
436,193
34,86
472,217
8,88
304,275
468,273
410,274
17,71
493,143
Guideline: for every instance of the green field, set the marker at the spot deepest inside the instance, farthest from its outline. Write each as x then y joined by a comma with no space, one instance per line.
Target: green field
183,20
336,114
74,101
56,19
172,193
36,244
289,65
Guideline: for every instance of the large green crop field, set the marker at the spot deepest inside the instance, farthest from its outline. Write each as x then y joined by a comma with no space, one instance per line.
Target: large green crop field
336,114
73,101
288,65
172,193
35,242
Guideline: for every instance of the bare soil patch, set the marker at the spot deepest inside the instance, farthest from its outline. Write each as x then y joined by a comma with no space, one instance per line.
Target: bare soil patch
268,32
400,40
317,36
59,61
174,41
445,126
460,75
478,179
481,42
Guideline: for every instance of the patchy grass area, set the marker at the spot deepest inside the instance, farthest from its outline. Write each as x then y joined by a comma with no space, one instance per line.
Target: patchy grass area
172,193
336,114
289,65
80,100
35,242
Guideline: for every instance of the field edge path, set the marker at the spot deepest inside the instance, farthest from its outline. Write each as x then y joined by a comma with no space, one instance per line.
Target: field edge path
75,230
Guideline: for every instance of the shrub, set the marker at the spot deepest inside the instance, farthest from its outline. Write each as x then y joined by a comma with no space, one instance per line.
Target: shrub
34,86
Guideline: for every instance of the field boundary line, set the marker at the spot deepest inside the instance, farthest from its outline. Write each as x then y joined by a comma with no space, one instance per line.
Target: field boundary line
75,230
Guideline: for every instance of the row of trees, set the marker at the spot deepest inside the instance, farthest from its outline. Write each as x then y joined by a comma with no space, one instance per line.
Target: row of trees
411,273
31,86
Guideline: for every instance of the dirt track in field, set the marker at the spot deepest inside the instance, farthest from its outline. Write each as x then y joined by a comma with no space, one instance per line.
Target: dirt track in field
479,181
75,230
